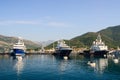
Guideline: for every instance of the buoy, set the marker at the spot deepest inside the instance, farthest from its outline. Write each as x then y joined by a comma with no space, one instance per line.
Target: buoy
113,55
65,57
105,55
116,60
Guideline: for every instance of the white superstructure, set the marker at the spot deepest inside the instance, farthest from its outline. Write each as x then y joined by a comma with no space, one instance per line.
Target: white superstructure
18,48
62,49
98,45
19,44
62,46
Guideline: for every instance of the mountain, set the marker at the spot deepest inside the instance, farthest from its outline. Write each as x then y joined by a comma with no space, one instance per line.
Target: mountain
7,42
45,43
110,35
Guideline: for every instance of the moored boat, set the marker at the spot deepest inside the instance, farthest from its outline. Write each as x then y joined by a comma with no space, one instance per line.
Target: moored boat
98,47
18,48
62,49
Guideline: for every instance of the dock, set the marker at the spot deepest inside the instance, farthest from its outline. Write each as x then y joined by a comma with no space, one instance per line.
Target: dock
29,53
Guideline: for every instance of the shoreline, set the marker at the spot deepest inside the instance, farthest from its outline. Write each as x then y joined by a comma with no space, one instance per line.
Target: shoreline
28,53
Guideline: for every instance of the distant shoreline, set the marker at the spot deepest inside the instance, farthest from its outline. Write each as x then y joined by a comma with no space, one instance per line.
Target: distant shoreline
28,53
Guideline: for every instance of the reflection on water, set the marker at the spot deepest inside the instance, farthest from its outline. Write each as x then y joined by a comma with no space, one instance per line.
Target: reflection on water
98,64
44,67
19,64
101,64
63,65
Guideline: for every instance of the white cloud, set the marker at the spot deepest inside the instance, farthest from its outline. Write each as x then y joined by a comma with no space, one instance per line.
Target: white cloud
18,22
56,24
34,22
27,22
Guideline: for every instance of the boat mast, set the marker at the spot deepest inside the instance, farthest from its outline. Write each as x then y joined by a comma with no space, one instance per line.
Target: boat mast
99,38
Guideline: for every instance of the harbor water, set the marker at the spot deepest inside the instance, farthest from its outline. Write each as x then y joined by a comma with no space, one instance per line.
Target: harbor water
49,67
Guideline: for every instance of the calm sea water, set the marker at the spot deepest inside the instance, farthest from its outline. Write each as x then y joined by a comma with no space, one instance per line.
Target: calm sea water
48,67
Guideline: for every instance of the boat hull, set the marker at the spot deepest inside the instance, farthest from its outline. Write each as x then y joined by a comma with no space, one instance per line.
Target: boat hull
101,53
62,52
17,52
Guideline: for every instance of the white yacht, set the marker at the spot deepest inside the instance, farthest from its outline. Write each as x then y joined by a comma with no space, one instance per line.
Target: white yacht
98,47
62,49
19,48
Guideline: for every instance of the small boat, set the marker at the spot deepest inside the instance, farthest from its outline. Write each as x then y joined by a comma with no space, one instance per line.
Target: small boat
19,48
92,64
98,47
62,49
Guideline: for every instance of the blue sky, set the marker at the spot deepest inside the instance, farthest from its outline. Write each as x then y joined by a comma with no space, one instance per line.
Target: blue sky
42,20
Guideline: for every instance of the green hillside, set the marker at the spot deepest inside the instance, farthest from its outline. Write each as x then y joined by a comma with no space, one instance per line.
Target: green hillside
110,35
7,42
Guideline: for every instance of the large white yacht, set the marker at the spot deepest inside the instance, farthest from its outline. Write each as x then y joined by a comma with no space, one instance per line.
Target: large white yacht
19,48
99,47
62,49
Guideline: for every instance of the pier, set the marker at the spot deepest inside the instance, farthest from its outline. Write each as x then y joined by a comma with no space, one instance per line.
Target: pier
50,53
